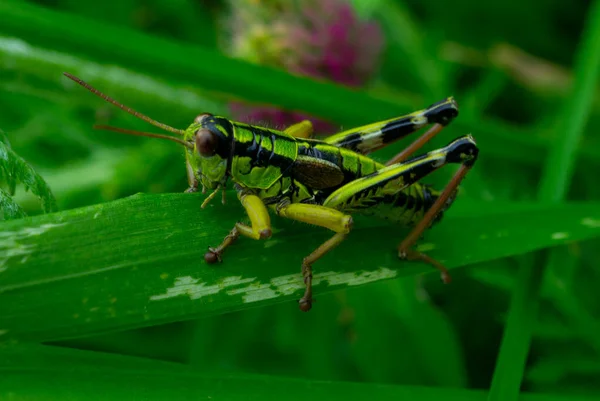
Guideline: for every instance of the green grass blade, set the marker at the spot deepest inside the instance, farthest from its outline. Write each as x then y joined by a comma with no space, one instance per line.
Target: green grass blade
561,160
121,83
51,373
206,68
522,315
139,261
511,362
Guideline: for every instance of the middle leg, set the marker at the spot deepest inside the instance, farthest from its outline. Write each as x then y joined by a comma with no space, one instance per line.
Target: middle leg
260,227
322,216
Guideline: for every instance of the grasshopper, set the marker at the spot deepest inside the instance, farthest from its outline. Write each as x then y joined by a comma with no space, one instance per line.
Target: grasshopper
320,182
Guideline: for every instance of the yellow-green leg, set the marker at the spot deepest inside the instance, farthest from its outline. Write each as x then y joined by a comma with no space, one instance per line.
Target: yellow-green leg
303,129
260,227
322,216
192,181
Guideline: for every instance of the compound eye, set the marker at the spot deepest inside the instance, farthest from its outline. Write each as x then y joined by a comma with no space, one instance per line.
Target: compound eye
201,117
206,142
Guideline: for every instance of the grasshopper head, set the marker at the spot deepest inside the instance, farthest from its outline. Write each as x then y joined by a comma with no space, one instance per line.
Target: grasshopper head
212,138
208,140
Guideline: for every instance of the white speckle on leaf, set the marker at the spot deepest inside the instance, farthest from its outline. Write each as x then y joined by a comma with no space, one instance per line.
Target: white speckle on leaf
290,284
3,332
10,249
11,246
278,286
591,222
559,236
192,287
287,285
255,292
97,214
29,231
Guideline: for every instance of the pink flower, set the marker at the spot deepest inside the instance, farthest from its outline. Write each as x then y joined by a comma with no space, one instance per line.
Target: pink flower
317,38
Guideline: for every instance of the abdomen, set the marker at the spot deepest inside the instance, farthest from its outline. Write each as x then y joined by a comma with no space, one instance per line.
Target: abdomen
406,207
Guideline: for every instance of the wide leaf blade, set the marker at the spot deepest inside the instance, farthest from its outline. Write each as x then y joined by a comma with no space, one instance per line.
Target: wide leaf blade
139,261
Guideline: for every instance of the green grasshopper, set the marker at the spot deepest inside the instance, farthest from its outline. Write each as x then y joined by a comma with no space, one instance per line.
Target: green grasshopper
320,182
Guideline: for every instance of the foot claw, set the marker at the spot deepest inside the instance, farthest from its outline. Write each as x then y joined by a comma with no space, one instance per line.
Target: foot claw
305,304
212,256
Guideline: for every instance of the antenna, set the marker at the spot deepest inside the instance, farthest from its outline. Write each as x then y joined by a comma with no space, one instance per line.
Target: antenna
140,133
123,107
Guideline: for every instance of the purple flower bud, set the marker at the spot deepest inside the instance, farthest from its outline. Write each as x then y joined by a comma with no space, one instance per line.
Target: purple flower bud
323,39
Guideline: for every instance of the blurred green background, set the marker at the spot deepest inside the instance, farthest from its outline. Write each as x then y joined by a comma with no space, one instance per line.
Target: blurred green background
508,63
